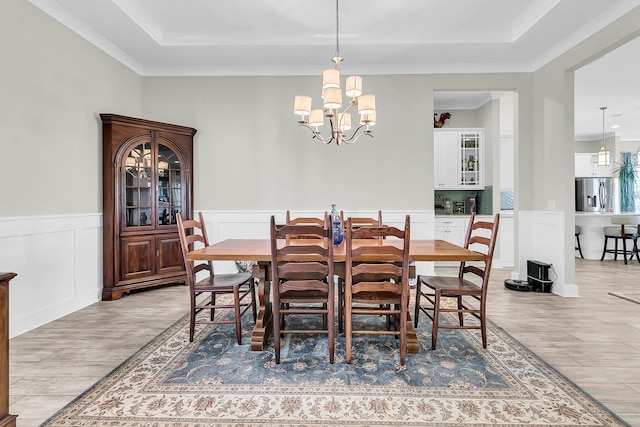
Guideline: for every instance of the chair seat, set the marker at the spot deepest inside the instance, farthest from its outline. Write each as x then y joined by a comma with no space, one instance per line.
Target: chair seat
376,297
307,296
616,231
453,285
222,282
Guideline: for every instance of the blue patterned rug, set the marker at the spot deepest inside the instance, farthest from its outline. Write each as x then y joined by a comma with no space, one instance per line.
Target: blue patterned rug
213,381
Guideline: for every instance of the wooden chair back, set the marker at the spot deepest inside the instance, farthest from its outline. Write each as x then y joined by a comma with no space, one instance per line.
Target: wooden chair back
193,235
320,222
377,276
302,273
363,221
357,222
481,237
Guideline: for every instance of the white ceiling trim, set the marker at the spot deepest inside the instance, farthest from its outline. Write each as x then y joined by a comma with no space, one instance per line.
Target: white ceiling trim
586,31
529,17
70,21
139,15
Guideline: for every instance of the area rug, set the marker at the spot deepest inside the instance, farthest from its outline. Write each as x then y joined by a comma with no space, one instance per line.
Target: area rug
633,297
213,381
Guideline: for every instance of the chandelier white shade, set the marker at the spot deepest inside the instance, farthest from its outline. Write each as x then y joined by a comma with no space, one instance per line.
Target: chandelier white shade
332,101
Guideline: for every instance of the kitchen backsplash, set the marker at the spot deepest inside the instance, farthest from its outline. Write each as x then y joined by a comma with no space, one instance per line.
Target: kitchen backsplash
451,202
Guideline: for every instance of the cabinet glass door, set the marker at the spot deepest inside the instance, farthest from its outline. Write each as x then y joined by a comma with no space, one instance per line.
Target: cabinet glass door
138,186
470,159
169,183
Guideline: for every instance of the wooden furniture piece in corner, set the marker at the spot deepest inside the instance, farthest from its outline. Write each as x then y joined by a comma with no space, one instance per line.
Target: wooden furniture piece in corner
147,180
6,420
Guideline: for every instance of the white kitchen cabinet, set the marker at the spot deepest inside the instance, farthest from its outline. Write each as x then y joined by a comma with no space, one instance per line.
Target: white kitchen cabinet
445,154
586,166
451,229
458,159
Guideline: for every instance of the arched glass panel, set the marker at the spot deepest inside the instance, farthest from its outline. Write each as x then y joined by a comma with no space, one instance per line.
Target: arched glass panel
169,191
138,185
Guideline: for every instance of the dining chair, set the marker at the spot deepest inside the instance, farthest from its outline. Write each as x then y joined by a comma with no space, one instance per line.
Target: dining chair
481,237
377,281
302,280
241,285
364,221
322,222
355,222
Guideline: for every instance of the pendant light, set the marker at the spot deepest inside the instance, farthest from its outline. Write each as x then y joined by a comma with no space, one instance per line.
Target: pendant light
604,154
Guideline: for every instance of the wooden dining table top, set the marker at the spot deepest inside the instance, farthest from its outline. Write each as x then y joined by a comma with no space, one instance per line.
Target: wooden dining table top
260,250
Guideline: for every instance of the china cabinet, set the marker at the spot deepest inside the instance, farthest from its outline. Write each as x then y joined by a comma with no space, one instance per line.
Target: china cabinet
458,159
147,180
6,419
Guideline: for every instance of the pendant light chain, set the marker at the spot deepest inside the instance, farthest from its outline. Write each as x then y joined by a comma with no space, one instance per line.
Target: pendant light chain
337,32
604,154
603,108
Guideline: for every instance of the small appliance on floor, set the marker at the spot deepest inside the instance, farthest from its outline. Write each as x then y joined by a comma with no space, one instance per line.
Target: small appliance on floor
538,276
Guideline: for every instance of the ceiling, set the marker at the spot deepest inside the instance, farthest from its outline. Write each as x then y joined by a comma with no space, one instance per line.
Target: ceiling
290,37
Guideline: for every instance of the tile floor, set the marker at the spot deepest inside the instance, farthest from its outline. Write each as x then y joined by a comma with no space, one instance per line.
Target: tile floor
594,339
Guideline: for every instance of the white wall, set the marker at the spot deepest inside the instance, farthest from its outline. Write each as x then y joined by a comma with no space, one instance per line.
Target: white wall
53,85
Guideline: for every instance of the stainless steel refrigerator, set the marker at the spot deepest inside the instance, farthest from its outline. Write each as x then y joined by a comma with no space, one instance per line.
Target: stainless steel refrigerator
597,195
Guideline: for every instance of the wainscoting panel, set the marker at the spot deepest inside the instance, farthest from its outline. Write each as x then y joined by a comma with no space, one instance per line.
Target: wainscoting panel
58,260
542,238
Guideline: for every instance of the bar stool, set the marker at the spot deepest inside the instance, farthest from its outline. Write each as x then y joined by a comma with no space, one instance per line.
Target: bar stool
578,248
618,232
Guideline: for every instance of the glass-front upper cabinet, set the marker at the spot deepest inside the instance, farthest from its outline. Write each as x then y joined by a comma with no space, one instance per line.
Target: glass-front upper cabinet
471,165
137,181
168,186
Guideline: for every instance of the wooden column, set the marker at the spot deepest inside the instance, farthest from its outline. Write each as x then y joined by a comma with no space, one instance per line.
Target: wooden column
5,418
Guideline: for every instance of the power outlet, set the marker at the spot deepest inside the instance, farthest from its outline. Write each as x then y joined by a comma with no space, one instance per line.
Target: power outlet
551,205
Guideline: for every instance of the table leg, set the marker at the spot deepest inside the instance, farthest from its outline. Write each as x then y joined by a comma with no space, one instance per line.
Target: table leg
412,338
264,323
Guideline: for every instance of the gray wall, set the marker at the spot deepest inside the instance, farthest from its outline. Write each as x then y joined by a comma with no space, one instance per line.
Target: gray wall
248,145
53,85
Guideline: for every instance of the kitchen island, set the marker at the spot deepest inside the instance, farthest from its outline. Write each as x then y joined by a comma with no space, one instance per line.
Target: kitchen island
592,236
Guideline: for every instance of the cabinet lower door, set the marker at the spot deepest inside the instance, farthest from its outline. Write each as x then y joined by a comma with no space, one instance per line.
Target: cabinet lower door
169,253
137,257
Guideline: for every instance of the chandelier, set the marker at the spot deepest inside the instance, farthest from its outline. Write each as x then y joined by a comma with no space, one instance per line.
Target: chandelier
604,154
339,122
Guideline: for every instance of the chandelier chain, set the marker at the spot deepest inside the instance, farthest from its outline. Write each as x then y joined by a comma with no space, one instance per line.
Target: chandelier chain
337,32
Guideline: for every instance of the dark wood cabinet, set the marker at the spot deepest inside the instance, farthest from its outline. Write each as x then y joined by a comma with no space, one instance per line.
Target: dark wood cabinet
147,180
6,419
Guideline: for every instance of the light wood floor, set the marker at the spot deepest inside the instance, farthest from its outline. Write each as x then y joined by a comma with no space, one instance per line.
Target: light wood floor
594,340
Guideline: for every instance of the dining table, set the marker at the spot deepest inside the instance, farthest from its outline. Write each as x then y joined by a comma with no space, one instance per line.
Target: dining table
259,251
